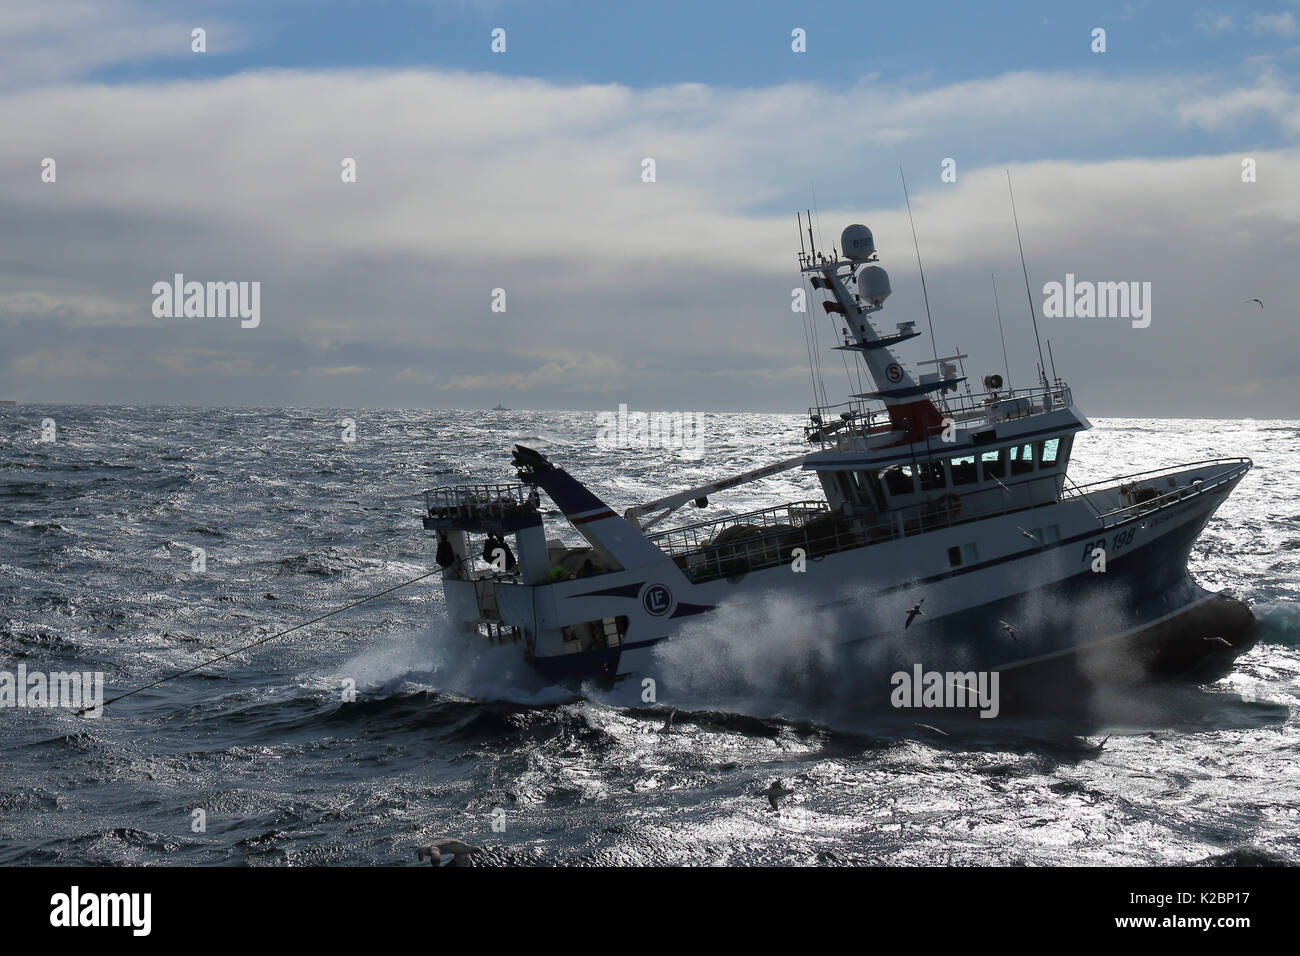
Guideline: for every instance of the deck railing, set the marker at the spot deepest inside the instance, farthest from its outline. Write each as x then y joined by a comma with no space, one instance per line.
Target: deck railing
694,536
810,525
751,554
708,561
1234,469
480,500
859,419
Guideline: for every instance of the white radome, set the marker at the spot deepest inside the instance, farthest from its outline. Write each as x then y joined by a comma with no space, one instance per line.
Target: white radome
857,243
873,285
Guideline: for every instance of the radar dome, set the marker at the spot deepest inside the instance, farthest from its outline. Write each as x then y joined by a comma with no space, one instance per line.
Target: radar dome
857,243
873,285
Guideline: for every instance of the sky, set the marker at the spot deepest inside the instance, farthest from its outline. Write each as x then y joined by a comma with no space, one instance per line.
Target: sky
522,171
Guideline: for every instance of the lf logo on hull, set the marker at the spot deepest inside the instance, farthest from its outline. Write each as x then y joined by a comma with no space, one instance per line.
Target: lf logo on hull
657,600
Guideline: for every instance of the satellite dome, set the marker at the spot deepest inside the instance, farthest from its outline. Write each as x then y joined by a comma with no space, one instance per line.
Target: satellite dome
857,243
873,284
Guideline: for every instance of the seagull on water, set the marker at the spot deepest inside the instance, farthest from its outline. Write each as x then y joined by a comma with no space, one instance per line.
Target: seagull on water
447,851
667,728
774,792
913,613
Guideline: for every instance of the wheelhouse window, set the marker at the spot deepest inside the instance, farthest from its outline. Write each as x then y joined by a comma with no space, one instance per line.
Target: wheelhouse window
898,479
932,475
963,470
1022,459
848,487
1048,452
856,487
993,464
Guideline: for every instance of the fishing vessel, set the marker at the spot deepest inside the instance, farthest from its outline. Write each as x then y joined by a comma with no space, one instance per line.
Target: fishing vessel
948,527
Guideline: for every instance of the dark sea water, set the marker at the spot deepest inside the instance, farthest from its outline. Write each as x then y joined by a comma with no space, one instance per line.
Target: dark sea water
96,532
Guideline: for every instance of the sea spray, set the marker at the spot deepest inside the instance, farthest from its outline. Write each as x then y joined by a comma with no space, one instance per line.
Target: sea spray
776,656
443,659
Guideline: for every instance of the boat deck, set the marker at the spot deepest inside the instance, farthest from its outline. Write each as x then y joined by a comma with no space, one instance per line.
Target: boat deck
772,534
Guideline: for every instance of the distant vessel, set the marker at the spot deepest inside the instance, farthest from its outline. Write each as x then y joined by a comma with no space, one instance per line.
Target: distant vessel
948,523
7,401
499,408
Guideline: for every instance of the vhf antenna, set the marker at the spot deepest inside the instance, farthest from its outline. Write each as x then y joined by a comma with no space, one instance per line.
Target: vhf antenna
1042,366
934,345
1005,364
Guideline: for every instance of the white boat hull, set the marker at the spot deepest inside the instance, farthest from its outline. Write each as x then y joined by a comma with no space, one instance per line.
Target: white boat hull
1021,600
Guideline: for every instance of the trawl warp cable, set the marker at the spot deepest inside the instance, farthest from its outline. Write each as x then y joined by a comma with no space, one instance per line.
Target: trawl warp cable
263,640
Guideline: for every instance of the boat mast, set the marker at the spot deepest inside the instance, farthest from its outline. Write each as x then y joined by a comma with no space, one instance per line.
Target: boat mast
910,410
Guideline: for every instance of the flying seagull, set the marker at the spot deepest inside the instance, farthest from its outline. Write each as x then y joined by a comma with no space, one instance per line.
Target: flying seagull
1000,484
447,851
1011,631
1219,639
774,792
965,686
913,613
1028,534
1260,301
942,733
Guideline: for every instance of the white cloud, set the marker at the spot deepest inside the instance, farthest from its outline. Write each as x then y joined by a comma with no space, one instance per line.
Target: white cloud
565,373
1213,22
678,289
55,40
84,308
1268,98
1278,24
